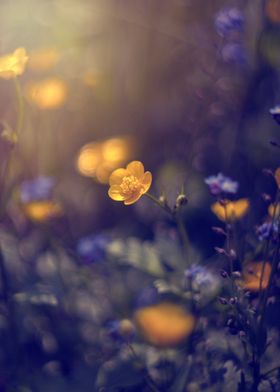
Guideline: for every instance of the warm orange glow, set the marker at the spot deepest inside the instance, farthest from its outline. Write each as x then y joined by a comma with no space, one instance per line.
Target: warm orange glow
43,59
40,211
48,93
233,210
98,160
165,324
89,158
252,275
272,10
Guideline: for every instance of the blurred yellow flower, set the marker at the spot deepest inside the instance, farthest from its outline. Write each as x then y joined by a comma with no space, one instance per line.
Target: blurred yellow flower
41,211
252,275
43,59
233,210
129,184
165,324
48,93
272,209
98,160
277,176
13,64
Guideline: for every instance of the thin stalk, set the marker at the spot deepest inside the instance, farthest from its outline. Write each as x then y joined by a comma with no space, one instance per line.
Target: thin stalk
20,106
268,241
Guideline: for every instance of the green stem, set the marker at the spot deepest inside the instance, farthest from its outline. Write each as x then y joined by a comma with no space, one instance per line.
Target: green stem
268,245
177,217
165,207
20,106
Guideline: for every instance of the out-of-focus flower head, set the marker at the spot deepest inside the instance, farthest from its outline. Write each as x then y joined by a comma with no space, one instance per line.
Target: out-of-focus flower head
43,59
275,112
231,210
164,324
266,230
13,64
233,52
49,93
93,248
39,189
220,184
36,199
229,20
274,210
129,184
272,10
251,276
202,281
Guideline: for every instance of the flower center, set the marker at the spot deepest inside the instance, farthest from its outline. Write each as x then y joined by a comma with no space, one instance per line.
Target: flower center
129,185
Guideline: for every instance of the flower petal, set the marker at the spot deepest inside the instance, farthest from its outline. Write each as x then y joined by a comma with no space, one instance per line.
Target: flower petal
117,176
146,181
136,168
115,193
133,198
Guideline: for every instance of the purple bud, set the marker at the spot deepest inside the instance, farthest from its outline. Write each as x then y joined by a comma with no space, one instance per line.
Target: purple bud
223,274
223,301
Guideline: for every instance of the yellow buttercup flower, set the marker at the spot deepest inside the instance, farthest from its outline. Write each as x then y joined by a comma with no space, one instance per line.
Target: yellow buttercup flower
165,324
252,275
48,93
13,64
233,210
129,184
41,211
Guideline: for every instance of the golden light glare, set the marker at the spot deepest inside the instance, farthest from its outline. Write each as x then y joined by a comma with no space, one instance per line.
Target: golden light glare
89,158
43,59
99,159
47,94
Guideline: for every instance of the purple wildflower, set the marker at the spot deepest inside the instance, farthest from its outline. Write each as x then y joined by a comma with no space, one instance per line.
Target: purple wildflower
221,184
266,230
233,53
38,189
93,248
229,20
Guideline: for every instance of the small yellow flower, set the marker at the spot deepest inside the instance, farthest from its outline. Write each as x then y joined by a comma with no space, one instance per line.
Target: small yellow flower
274,210
233,210
129,184
252,275
41,211
165,324
13,64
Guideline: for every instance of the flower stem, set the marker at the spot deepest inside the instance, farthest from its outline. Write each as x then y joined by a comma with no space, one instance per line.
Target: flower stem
20,106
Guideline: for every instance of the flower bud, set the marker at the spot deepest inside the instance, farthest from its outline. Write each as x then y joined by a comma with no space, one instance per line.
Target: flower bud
236,274
224,274
181,200
223,301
